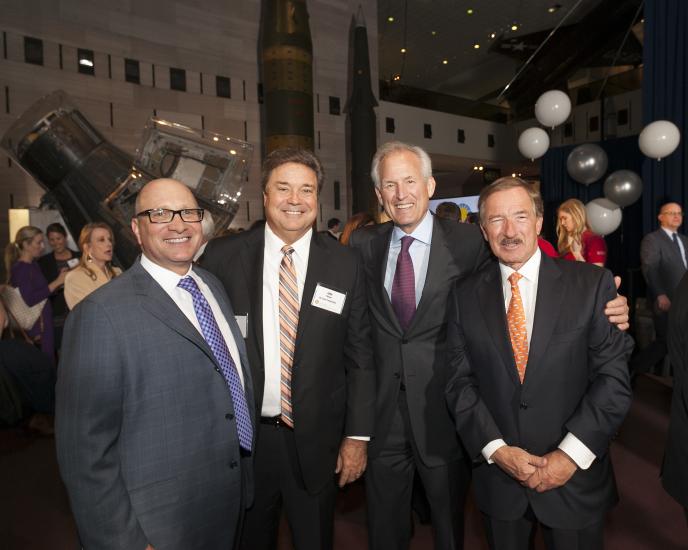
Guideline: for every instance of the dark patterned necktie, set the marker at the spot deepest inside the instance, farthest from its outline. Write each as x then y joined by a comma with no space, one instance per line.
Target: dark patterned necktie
404,286
674,237
216,342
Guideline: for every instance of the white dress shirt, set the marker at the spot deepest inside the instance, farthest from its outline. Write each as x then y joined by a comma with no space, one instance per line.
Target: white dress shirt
527,287
272,258
419,252
168,280
671,234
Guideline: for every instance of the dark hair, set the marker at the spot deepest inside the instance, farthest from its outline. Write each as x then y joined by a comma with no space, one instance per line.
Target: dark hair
278,157
56,228
508,182
448,211
357,220
333,222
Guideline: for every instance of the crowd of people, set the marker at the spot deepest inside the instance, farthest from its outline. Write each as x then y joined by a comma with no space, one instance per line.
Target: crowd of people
199,397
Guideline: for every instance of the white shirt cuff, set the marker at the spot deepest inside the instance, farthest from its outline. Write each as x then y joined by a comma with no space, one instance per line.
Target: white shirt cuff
577,451
490,448
359,437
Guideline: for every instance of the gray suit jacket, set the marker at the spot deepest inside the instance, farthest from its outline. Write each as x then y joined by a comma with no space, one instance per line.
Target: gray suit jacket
145,431
661,263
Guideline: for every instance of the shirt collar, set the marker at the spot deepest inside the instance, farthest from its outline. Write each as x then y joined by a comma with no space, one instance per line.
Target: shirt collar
529,270
273,244
668,232
167,279
422,233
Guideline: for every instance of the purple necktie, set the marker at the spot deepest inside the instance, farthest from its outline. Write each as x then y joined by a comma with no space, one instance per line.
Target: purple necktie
213,336
404,286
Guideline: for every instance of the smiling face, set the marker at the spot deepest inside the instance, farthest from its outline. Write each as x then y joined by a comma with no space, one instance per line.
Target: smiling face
291,201
404,193
511,226
171,245
57,242
33,248
99,246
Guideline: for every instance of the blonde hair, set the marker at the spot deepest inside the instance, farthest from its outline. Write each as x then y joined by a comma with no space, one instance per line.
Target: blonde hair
13,249
575,209
84,239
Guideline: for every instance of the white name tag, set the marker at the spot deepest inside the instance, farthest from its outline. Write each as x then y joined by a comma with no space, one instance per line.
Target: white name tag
328,299
242,321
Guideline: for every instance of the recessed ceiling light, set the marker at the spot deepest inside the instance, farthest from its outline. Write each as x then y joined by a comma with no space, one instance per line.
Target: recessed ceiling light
553,8
476,46
403,50
434,33
513,174
493,35
445,61
396,77
390,19
469,11
514,27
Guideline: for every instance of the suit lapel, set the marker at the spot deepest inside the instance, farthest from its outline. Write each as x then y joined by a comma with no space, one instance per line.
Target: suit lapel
547,308
491,299
379,250
252,262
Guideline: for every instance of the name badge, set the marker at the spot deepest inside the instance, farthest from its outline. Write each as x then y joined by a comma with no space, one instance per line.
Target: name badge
242,321
328,299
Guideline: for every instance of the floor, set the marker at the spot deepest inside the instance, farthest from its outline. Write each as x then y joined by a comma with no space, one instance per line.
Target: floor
35,514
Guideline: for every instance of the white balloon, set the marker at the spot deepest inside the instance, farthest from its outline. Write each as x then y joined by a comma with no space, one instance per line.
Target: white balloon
603,216
552,108
659,139
533,143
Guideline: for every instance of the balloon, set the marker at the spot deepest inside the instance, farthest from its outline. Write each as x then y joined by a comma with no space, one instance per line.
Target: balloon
623,187
659,139
533,143
587,163
603,216
552,108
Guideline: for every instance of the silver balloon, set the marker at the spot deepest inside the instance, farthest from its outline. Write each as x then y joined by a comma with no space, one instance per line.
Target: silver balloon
603,216
587,163
623,187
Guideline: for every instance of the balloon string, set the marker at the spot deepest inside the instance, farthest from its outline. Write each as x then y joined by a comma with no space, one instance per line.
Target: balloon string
523,67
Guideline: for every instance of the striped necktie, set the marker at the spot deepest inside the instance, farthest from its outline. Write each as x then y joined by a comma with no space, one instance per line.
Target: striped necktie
288,323
518,333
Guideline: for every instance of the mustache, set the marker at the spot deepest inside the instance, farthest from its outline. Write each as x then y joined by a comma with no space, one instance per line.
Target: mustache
507,242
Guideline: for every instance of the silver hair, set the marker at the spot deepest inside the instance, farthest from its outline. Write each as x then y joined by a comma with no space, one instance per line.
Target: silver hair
399,146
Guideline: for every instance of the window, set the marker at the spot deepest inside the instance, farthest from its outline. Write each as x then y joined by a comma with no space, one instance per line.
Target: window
427,131
86,62
622,117
490,140
178,79
337,196
223,86
568,129
389,125
461,136
334,106
132,71
33,50
260,92
594,123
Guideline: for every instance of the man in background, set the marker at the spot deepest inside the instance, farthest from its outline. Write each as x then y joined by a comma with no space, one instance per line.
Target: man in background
334,228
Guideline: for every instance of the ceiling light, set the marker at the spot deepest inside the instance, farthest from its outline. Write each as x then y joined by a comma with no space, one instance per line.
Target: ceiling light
475,168
445,61
493,35
403,50
396,77
514,27
476,46
553,8
513,174
85,62
434,33
215,138
390,19
469,11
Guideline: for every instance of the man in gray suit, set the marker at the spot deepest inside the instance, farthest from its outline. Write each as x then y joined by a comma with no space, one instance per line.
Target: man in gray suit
154,425
664,261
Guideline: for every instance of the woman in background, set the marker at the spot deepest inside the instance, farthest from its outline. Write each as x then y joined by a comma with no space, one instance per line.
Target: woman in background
24,274
95,266
575,239
60,259
357,220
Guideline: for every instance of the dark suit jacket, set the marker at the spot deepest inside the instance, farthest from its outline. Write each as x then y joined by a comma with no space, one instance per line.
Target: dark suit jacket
417,354
576,381
146,438
675,469
333,381
661,262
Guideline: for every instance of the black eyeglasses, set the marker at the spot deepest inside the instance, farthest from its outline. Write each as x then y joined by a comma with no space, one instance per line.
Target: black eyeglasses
163,215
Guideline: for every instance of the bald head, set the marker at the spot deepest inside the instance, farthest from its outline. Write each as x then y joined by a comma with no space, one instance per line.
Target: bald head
155,190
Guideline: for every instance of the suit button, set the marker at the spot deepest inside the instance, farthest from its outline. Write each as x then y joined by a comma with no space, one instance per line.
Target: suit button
523,405
217,369
229,416
233,464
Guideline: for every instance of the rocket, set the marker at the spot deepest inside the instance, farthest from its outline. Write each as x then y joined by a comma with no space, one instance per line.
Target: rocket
362,122
286,54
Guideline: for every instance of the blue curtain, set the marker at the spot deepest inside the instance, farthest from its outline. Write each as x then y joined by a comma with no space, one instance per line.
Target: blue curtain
665,96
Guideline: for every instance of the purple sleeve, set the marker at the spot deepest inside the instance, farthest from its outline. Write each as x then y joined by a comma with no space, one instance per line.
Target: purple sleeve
30,281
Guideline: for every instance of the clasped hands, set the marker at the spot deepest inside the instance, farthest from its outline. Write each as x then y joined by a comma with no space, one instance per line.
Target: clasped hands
540,473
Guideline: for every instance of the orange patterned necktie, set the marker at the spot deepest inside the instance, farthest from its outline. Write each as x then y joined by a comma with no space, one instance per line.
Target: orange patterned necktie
516,319
288,322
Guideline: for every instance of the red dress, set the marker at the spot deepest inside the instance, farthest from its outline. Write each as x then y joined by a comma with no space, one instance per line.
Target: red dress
594,248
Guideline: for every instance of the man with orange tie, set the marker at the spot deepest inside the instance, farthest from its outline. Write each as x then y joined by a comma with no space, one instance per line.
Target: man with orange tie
539,382
300,300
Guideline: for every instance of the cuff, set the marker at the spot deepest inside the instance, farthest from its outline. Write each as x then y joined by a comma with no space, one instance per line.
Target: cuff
490,448
359,437
577,451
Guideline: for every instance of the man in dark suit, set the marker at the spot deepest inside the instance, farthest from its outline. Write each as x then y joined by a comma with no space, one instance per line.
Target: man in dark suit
674,471
663,260
301,300
414,431
154,397
539,382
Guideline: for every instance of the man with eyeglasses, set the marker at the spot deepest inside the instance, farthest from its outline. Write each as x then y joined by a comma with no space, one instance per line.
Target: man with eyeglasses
154,419
664,260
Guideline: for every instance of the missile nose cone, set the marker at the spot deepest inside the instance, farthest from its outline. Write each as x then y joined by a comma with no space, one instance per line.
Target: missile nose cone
360,20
